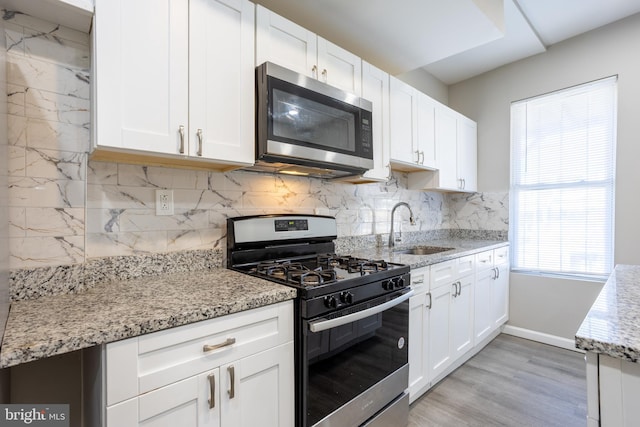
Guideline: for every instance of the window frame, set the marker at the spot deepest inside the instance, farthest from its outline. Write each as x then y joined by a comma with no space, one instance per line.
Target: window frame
516,189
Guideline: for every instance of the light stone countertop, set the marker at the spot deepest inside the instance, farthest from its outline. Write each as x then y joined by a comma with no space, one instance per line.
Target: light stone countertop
612,326
460,248
127,307
122,309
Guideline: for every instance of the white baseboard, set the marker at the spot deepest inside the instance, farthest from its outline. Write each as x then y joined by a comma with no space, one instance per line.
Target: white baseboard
541,337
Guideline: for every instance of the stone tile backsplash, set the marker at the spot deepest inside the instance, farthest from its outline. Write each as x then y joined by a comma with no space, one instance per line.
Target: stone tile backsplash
66,209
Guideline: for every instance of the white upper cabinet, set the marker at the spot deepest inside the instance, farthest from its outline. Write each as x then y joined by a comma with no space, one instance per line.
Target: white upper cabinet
455,154
467,154
446,135
286,43
404,117
176,84
412,128
375,88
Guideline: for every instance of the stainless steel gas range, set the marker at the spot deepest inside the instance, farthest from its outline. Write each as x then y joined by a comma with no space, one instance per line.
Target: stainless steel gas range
352,318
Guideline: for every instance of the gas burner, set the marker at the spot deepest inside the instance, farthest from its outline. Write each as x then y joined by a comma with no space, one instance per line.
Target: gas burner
306,277
363,266
277,269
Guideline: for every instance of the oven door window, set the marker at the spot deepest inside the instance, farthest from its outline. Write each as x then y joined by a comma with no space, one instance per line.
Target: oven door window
301,116
345,361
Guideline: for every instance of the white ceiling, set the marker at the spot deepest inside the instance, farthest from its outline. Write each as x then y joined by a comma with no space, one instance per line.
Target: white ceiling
451,39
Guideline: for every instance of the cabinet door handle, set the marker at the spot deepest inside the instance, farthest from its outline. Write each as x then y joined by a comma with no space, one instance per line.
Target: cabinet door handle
232,380
325,75
430,300
199,133
464,183
314,71
226,343
390,172
212,390
417,156
497,273
422,157
181,133
455,289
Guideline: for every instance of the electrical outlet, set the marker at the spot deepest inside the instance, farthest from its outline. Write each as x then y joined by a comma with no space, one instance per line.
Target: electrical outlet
164,202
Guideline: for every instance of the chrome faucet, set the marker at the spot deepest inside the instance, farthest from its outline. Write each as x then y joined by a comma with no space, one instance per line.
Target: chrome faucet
393,210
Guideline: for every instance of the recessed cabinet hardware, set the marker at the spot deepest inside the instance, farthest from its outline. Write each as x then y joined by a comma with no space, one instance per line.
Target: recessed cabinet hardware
181,132
226,343
232,380
212,390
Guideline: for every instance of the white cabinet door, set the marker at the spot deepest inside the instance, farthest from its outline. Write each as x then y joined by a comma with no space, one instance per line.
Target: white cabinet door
285,43
375,88
467,154
440,330
426,131
141,74
184,403
221,77
483,314
462,317
446,155
404,131
418,343
500,296
339,67
259,390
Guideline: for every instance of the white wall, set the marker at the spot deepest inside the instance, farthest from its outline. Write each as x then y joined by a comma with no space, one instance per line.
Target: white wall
427,83
542,304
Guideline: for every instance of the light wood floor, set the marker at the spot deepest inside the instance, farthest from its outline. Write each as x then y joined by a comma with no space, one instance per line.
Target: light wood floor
511,382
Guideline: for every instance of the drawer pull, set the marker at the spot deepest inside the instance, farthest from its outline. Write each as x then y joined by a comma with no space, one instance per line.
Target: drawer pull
212,391
228,342
232,380
418,281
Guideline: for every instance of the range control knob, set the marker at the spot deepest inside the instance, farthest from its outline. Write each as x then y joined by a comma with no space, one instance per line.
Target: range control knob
387,285
346,297
330,301
400,283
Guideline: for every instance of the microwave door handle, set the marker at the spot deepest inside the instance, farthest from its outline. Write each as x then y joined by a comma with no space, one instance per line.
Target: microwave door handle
321,325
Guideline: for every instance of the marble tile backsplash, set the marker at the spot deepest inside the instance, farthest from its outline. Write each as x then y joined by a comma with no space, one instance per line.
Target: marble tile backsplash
65,209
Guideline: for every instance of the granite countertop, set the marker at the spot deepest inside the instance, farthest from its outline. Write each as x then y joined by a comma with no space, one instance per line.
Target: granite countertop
460,248
122,309
612,326
126,307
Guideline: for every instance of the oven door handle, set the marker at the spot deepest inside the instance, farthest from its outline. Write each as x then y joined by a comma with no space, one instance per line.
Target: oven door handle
321,325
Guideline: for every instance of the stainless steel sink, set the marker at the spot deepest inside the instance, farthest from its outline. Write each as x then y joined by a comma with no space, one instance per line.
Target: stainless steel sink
422,250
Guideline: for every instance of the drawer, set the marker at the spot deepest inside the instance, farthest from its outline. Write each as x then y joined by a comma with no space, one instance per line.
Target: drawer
443,273
501,255
420,279
466,265
484,260
141,364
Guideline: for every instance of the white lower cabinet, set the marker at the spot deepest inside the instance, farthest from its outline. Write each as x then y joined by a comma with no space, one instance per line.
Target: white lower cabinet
613,386
169,378
458,305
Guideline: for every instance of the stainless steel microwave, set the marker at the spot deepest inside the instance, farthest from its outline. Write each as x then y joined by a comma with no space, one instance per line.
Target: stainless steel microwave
306,127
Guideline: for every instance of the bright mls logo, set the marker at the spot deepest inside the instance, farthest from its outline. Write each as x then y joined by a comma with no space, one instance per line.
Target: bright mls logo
34,415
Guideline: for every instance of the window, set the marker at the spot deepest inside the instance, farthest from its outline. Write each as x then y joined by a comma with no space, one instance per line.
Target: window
562,181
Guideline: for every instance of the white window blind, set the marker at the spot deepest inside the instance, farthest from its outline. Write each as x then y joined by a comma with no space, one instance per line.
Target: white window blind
562,180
